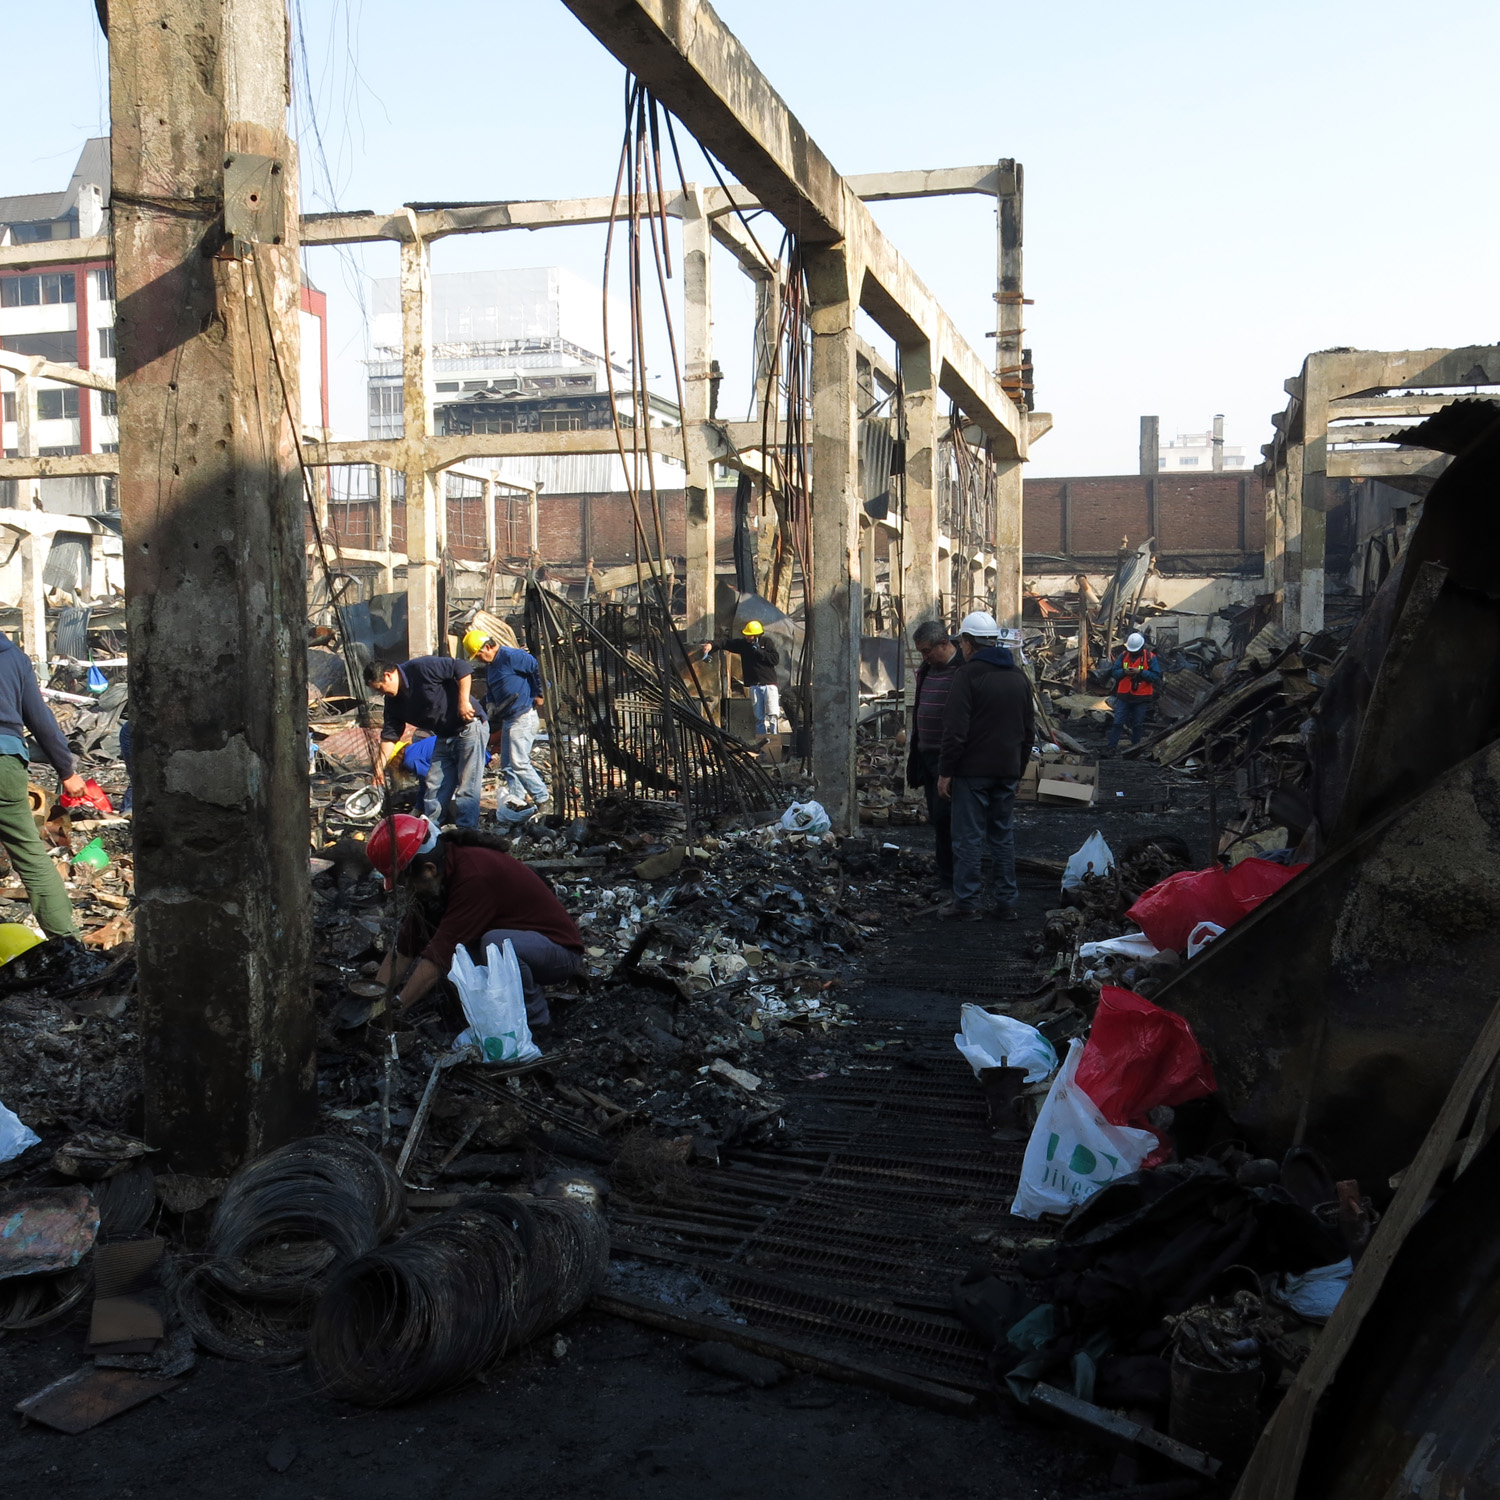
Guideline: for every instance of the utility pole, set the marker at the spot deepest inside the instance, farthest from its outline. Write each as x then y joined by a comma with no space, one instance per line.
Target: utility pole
205,233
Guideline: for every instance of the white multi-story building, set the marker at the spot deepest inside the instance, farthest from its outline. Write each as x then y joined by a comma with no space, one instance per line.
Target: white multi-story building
513,351
1195,450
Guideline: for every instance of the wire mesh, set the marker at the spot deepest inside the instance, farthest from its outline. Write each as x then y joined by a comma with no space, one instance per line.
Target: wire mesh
613,731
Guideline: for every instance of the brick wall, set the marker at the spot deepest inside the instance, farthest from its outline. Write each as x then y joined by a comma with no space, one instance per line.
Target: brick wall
570,528
1088,517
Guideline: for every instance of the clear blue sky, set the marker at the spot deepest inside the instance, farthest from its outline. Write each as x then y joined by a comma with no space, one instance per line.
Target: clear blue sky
1213,190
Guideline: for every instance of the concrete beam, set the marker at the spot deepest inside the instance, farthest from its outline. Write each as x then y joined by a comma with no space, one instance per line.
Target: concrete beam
216,583
684,54
1386,463
66,466
43,253
45,369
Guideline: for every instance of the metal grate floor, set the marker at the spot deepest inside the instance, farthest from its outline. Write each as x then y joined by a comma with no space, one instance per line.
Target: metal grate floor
855,1236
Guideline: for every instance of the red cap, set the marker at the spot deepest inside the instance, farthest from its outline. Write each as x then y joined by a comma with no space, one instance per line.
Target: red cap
410,837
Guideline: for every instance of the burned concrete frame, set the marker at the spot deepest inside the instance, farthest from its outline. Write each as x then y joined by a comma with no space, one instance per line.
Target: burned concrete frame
1344,407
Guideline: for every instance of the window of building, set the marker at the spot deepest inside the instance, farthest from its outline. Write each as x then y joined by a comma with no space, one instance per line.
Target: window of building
1188,462
43,229
562,421
38,291
57,406
104,284
8,407
474,385
447,385
109,447
106,343
579,382
62,452
60,348
109,404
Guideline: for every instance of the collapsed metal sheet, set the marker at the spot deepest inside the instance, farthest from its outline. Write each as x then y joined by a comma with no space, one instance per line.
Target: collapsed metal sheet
1338,1012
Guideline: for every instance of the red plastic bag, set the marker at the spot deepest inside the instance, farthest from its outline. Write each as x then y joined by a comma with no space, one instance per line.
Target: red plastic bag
93,796
1169,911
1139,1056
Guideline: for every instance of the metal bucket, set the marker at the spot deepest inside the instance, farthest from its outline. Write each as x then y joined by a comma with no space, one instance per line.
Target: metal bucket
1216,1411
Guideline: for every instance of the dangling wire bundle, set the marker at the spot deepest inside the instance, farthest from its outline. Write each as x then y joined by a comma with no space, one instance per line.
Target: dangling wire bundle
436,1307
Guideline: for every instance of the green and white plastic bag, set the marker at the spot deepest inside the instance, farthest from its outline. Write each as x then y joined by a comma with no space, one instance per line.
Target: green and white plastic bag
495,1005
1074,1151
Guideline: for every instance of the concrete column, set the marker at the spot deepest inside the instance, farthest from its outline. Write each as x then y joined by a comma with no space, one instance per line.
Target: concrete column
1150,445
834,607
1291,548
923,586
767,333
216,578
1309,618
1008,473
698,353
382,537
490,541
425,491
34,553
29,496
1009,330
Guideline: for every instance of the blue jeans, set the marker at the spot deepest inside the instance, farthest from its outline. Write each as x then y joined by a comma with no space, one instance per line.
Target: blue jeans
983,824
1130,713
518,735
541,962
766,702
457,774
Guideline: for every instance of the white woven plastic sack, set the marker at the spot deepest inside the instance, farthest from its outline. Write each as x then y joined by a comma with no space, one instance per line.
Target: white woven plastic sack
14,1136
1074,1151
1314,1294
495,1005
990,1041
806,817
1095,858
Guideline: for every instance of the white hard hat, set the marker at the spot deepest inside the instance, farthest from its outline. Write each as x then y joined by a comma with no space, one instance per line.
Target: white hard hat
1134,641
980,625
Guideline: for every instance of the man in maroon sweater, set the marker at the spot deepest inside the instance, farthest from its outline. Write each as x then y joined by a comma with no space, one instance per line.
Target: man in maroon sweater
468,892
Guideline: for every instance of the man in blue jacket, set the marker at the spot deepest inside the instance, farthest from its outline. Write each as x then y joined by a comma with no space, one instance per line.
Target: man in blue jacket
22,709
432,693
514,687
1135,676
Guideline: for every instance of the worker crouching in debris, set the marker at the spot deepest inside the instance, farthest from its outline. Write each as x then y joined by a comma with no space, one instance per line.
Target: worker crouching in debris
759,659
467,891
989,724
22,709
432,693
940,661
1135,676
513,691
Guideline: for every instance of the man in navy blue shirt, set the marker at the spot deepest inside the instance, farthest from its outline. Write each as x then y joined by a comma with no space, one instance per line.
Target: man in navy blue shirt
514,685
432,693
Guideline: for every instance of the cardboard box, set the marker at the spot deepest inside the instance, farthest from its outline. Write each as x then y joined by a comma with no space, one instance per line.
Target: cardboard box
1072,785
1026,790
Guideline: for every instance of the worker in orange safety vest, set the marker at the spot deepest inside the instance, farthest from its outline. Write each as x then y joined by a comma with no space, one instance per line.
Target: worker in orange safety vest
1135,676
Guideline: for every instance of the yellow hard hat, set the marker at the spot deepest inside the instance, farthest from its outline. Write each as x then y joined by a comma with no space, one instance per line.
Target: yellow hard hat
753,627
474,640
15,940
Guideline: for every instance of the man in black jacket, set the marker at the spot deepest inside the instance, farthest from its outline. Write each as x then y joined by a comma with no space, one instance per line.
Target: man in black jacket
988,728
759,659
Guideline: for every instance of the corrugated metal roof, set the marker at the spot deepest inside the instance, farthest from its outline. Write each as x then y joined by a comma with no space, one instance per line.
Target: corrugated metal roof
1454,428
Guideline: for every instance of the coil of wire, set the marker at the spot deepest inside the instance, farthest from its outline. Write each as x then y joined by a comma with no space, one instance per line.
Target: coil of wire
285,1223
436,1307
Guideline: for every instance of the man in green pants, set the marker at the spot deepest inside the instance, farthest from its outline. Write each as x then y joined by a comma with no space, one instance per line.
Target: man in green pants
22,708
